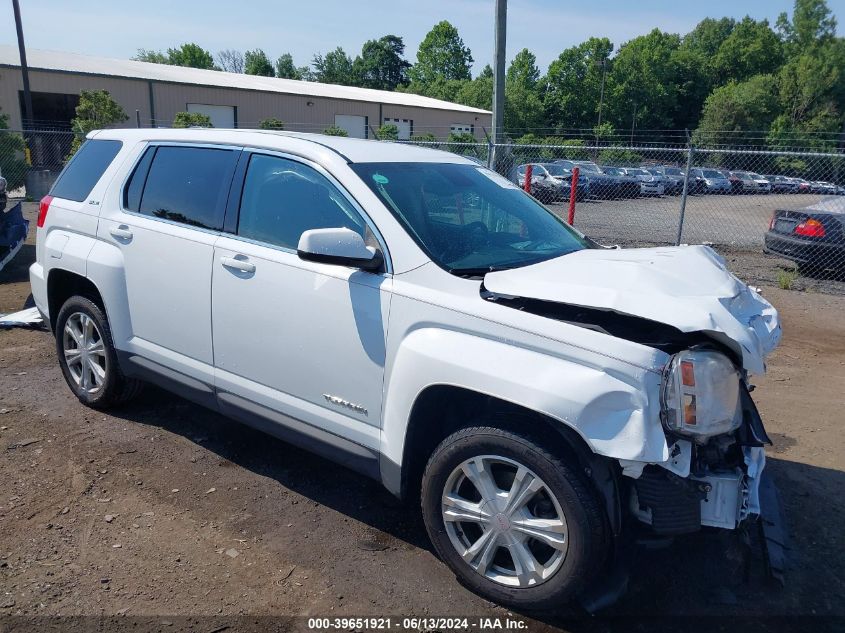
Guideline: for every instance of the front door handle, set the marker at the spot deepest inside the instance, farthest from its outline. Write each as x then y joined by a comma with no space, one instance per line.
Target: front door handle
238,264
121,232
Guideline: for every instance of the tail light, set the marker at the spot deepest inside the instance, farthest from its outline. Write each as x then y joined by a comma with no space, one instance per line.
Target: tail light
772,221
42,210
810,228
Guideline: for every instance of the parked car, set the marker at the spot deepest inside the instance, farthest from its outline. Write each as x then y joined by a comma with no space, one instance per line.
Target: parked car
697,181
748,184
782,184
715,181
813,237
419,319
733,180
658,174
4,196
601,185
674,180
630,185
650,185
822,187
763,185
551,182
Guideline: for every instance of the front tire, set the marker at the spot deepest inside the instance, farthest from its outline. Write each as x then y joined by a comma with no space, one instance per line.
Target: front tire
516,523
88,358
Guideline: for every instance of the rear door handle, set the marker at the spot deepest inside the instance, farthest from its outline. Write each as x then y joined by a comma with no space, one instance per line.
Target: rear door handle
238,264
121,232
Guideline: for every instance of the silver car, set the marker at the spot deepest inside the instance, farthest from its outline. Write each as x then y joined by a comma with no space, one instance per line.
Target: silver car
715,181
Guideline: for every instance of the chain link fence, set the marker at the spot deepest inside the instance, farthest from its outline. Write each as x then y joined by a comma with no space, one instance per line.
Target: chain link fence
777,214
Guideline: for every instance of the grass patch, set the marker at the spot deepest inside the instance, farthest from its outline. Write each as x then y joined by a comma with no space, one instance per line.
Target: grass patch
786,278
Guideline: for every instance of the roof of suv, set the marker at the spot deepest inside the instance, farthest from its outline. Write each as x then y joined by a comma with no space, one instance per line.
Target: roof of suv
353,150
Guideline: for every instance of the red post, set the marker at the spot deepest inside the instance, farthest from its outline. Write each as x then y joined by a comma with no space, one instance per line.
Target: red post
529,172
573,193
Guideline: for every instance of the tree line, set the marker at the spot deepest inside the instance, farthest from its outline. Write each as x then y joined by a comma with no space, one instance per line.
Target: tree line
726,80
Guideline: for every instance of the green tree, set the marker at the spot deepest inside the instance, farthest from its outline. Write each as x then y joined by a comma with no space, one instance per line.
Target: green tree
388,132
573,85
257,63
752,48
738,107
381,64
334,68
286,69
477,93
642,85
334,130
271,123
707,36
13,167
191,119
152,57
96,110
424,137
442,55
190,54
523,102
812,22
462,143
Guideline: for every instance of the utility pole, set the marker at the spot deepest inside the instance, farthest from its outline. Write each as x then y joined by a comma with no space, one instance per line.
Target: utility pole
498,77
603,64
27,95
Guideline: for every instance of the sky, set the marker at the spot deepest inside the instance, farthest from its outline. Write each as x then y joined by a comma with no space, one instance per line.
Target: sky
302,28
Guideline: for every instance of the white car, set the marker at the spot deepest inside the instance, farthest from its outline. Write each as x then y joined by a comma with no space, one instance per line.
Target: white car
763,185
422,320
650,185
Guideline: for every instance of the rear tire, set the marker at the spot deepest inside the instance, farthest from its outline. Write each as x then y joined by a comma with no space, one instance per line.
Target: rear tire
484,538
88,357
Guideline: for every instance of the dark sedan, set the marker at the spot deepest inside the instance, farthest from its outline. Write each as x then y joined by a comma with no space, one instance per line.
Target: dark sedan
813,236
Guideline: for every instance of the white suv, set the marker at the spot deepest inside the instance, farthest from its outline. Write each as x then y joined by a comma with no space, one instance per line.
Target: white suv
420,319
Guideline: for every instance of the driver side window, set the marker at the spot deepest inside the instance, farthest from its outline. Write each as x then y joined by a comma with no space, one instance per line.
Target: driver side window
282,199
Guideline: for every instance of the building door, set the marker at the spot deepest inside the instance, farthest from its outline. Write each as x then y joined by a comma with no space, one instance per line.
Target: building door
221,116
355,126
406,127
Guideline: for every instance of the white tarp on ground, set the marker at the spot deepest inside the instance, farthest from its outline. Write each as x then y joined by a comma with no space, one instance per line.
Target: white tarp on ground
25,318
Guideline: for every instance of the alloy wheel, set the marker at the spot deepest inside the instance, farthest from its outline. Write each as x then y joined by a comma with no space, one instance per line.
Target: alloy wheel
84,352
504,521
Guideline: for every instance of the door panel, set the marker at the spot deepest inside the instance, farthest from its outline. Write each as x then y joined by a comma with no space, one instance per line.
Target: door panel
312,332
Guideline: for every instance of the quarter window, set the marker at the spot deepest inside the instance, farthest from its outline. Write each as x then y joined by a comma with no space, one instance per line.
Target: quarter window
85,169
188,185
283,198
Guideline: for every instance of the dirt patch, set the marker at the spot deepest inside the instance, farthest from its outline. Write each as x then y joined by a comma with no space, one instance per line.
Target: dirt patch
164,508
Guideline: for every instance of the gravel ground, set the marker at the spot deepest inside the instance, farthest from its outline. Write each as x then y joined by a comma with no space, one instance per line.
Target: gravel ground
165,510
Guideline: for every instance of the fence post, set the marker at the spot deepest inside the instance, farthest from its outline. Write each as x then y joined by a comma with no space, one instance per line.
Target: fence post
529,172
137,118
690,151
573,194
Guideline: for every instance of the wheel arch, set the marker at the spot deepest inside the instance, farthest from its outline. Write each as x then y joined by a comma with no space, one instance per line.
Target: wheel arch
442,409
63,284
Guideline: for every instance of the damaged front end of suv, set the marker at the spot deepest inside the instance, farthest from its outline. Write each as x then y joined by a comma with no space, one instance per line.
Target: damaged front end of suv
714,332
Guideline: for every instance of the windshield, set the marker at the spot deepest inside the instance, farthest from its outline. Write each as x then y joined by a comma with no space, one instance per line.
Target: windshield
557,170
638,172
613,171
674,171
712,173
586,166
468,219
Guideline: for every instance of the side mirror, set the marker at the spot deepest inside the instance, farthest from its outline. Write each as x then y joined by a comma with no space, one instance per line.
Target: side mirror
341,247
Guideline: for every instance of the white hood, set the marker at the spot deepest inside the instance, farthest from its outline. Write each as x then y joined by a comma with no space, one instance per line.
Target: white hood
687,287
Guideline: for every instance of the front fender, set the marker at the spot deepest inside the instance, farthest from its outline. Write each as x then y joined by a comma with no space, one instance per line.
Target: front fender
613,407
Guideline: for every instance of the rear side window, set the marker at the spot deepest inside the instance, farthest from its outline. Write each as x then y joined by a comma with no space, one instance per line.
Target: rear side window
183,184
84,170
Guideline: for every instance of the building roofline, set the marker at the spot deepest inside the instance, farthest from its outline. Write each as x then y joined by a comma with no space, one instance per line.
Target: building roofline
75,64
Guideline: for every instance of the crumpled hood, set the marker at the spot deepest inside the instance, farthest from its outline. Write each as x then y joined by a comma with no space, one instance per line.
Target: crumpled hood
687,287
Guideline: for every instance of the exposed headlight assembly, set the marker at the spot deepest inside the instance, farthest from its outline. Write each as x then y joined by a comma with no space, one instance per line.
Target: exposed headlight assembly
700,395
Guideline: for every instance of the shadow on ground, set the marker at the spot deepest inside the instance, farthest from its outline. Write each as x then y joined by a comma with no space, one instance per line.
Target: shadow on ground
713,574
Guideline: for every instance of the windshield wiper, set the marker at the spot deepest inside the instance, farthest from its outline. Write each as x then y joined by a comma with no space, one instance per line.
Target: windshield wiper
478,271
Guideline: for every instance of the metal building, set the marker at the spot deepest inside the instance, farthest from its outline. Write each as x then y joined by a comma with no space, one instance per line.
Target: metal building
152,94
